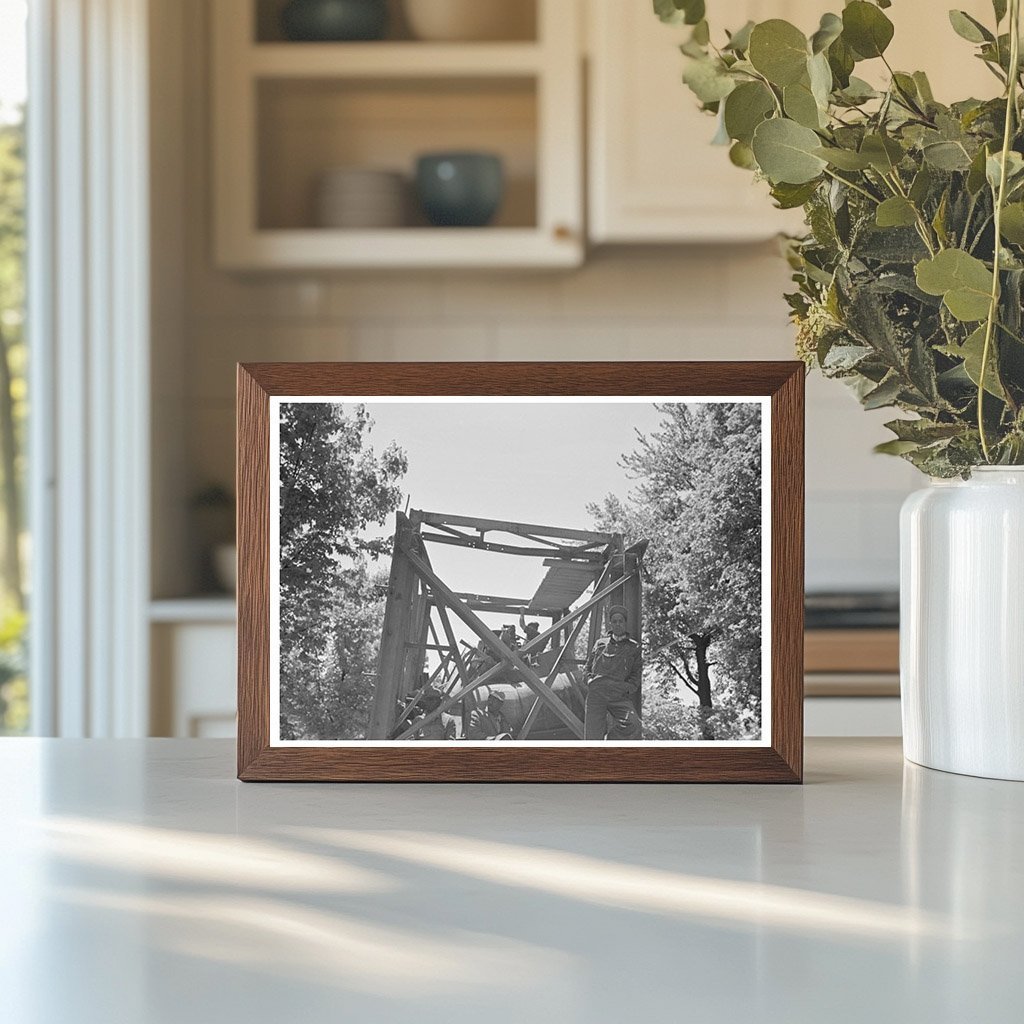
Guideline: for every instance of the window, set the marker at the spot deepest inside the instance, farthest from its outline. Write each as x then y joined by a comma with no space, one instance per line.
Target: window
14,549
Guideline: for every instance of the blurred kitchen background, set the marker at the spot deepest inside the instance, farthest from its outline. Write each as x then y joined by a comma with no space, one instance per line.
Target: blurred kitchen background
284,219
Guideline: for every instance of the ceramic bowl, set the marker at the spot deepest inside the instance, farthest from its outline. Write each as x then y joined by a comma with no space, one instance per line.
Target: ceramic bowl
460,189
334,20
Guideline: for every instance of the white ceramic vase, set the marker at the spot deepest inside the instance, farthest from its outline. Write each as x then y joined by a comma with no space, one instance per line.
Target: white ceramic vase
962,624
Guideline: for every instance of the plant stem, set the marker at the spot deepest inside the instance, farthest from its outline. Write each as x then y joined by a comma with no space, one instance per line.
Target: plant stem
855,187
993,309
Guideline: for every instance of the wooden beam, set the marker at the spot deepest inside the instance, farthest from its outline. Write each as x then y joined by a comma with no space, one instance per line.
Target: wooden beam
441,591
538,643
402,585
552,675
519,529
446,625
479,544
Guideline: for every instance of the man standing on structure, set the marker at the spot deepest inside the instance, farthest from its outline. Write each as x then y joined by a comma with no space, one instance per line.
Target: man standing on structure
613,674
490,723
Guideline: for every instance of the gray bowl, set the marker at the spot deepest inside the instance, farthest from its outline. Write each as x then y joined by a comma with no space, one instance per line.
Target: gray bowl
461,190
334,20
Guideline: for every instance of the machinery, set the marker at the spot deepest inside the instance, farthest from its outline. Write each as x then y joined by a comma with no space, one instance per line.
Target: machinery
541,678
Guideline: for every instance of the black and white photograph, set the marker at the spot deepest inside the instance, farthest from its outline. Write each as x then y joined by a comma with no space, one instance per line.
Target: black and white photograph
520,570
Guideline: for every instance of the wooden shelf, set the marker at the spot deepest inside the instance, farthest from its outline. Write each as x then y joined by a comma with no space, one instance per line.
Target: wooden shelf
393,60
401,247
852,650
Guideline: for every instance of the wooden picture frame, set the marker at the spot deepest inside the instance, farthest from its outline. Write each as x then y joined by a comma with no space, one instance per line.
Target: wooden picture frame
780,759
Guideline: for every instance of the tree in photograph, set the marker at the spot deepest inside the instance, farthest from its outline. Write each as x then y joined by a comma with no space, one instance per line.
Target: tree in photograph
332,487
698,500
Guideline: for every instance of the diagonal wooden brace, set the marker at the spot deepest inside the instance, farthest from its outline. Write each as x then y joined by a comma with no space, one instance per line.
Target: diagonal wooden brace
503,652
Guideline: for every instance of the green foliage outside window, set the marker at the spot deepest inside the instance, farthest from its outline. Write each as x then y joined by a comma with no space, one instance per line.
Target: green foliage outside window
13,412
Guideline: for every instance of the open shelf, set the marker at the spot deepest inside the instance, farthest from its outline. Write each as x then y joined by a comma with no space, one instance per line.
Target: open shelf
286,114
308,127
393,60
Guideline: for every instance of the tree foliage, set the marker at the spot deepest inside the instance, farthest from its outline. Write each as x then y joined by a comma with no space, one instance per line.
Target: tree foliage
698,501
13,415
910,278
332,487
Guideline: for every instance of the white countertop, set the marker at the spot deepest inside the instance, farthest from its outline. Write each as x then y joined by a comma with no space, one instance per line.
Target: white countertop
143,885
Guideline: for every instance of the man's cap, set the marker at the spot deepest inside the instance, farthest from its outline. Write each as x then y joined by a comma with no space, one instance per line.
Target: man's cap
496,695
620,608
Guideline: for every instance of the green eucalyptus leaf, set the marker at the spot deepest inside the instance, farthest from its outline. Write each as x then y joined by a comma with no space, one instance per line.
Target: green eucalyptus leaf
785,152
946,156
896,447
830,29
789,197
866,29
924,431
676,12
994,169
976,173
921,185
800,105
844,159
963,281
745,108
820,76
1012,223
841,60
883,153
858,91
741,155
739,41
778,50
708,80
924,87
972,352
969,28
884,395
896,212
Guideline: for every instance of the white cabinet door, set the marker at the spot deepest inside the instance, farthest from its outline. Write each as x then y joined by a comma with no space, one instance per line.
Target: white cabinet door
653,175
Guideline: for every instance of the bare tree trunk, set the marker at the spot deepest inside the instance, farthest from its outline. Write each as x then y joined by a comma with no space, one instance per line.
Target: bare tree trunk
700,646
11,494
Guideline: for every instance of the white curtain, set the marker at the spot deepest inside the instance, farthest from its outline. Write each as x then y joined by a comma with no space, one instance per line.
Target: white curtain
88,318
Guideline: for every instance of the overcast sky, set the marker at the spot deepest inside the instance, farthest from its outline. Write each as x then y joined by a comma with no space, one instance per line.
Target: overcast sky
536,462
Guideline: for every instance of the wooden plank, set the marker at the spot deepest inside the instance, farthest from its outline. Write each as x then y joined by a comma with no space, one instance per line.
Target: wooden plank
520,529
446,625
479,544
852,650
397,610
552,675
441,591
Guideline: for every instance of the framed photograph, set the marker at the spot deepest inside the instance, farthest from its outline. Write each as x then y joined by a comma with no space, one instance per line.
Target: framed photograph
552,572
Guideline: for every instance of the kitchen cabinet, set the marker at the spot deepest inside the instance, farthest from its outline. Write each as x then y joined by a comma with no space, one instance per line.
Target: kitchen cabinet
287,113
653,175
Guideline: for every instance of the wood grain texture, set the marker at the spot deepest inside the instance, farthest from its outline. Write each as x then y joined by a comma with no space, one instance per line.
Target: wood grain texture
782,762
852,650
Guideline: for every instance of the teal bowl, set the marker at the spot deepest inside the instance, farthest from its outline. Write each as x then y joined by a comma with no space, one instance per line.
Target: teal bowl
460,190
334,21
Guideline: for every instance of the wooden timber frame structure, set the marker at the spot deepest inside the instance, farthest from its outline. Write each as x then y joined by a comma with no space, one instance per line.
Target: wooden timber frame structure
420,607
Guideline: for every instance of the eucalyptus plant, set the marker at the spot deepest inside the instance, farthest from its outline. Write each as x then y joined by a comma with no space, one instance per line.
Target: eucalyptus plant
909,280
